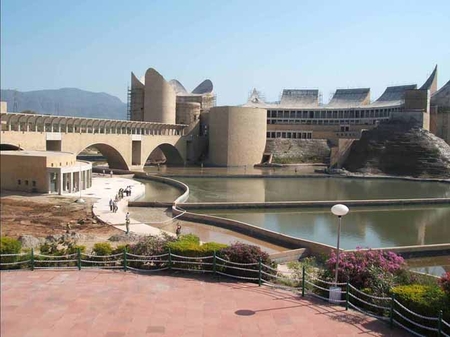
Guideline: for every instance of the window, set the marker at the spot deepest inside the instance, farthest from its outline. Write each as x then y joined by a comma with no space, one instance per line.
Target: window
34,183
19,182
26,182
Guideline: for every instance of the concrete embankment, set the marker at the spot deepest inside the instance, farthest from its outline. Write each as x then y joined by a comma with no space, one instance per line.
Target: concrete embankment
295,244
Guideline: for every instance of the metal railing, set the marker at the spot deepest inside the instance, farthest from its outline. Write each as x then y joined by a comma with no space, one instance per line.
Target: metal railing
386,309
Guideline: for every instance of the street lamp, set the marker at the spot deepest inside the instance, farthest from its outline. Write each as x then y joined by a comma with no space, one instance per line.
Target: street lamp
339,210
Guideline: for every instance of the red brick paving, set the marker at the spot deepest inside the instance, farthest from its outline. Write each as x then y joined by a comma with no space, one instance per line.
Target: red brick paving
118,304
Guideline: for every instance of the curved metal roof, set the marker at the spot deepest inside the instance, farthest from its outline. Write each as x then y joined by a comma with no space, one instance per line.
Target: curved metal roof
350,97
206,87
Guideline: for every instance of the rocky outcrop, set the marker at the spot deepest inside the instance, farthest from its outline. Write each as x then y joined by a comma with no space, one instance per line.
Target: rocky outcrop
400,149
293,151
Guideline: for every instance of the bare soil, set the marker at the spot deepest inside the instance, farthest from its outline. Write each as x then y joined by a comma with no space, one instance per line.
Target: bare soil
44,215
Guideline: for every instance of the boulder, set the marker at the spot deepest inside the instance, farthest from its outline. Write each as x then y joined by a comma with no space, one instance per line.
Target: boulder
400,149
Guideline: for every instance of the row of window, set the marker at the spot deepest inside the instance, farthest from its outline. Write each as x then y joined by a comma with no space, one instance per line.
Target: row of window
331,114
290,134
67,163
19,182
323,121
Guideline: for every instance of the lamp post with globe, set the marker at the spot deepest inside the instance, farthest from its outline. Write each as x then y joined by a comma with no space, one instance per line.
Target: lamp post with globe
339,210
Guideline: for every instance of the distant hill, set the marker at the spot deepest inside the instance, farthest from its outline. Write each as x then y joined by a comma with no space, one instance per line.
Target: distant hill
67,102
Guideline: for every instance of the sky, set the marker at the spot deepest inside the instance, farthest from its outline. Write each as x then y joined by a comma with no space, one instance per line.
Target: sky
239,44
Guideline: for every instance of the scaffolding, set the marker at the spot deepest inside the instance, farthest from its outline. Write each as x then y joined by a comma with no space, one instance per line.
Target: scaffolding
135,104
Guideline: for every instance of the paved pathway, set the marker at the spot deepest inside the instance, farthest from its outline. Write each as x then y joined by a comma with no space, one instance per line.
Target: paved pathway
104,188
118,304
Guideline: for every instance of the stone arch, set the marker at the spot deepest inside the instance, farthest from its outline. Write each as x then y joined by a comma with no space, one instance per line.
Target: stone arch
113,157
170,152
10,147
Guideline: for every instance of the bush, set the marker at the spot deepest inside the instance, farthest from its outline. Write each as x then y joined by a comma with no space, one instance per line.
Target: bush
120,249
74,249
189,246
102,249
245,254
444,282
9,246
209,248
423,300
296,267
366,268
149,246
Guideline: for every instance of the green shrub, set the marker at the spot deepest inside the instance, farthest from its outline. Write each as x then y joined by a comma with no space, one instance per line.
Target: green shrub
194,239
189,246
424,300
120,249
102,249
10,246
209,248
74,249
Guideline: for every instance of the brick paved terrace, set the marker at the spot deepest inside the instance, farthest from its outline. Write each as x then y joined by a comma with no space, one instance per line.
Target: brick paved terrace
117,304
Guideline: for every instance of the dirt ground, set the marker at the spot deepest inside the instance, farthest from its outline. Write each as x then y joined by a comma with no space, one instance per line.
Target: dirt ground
43,215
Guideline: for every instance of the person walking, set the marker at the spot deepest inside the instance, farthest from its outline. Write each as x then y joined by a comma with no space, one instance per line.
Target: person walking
178,231
115,208
127,222
111,205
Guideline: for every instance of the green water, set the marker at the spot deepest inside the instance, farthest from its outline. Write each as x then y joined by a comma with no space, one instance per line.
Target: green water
366,227
362,227
301,189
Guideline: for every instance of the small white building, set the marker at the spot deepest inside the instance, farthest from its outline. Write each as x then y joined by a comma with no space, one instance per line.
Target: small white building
44,172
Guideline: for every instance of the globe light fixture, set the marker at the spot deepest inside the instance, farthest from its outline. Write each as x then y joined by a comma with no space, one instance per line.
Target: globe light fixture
339,210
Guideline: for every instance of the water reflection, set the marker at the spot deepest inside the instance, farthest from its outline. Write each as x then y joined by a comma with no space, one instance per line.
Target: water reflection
157,191
302,189
227,171
362,227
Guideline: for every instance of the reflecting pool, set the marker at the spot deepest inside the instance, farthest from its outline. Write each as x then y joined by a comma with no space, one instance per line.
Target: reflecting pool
362,227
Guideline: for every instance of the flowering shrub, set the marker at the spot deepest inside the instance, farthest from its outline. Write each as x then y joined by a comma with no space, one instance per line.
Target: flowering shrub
444,282
366,268
242,253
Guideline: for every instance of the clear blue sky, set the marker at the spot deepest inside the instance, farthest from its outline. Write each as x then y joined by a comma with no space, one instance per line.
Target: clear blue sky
238,44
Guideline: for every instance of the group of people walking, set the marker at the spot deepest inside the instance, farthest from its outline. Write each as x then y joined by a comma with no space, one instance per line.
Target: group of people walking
113,204
120,194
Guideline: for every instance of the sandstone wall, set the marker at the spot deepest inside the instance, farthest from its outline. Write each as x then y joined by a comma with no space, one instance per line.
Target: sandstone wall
237,135
291,151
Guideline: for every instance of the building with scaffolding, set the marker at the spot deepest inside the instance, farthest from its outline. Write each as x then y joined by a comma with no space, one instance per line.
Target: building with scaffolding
153,99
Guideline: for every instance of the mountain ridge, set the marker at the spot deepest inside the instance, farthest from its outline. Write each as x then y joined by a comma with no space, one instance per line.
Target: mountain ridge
66,102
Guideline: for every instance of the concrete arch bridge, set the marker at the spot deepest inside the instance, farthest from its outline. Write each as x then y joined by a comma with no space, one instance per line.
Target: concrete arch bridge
125,144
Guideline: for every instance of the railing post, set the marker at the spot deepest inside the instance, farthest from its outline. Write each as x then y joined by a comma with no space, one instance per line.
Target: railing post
170,260
347,296
260,274
79,258
391,314
125,259
440,323
214,263
303,281
32,259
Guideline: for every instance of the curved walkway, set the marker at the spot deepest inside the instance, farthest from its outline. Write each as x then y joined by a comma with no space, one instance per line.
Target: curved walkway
105,187
118,304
